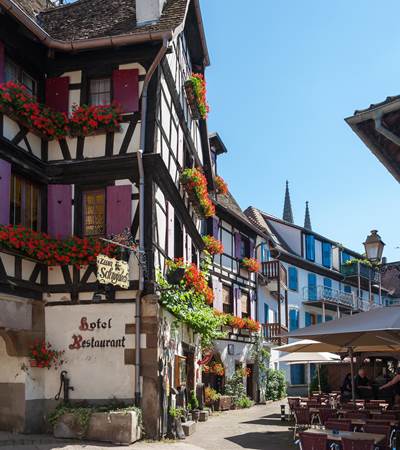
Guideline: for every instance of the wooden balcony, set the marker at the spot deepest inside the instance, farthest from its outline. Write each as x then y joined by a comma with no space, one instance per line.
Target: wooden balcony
272,331
274,271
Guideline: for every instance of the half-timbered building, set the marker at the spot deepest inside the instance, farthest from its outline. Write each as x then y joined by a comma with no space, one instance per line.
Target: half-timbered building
91,52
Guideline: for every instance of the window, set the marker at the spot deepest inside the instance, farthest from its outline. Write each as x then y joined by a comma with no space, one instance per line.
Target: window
13,72
310,247
266,313
244,247
94,213
312,286
297,374
326,254
345,257
265,252
310,319
293,281
293,319
100,91
227,300
244,301
347,289
25,203
328,293
178,239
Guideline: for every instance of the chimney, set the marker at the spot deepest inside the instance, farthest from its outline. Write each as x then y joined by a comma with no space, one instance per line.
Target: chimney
148,11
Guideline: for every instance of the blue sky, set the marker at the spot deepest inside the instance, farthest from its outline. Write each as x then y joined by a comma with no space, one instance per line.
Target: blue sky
283,76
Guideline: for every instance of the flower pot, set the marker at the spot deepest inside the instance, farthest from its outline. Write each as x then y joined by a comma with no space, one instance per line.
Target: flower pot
196,415
192,100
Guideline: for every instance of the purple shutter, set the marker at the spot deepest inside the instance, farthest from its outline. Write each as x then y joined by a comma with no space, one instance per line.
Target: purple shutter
215,227
59,210
119,208
238,241
2,63
238,302
126,89
253,305
251,248
57,93
5,183
170,230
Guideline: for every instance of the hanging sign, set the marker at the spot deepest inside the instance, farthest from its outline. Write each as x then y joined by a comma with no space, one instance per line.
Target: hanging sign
112,271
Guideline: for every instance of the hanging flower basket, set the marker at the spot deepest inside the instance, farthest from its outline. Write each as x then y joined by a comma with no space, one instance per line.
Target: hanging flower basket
195,88
213,246
42,355
250,264
221,185
195,184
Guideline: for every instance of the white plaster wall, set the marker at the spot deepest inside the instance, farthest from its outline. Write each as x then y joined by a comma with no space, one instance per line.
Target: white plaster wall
74,76
54,151
27,268
265,297
9,263
94,146
96,373
10,128
242,354
74,99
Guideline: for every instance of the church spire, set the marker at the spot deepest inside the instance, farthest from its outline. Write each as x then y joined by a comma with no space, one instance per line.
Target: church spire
287,208
307,219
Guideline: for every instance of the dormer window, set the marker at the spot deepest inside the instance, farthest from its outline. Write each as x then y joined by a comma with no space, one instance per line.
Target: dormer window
14,72
100,91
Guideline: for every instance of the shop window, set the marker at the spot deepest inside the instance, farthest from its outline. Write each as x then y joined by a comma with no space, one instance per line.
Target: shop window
14,72
25,203
227,300
100,91
180,371
94,213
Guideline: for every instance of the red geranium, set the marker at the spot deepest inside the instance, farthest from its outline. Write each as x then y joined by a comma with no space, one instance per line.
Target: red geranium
222,187
86,120
200,91
251,264
43,356
213,246
195,184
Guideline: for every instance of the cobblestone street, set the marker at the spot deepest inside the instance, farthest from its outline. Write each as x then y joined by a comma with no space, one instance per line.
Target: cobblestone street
257,428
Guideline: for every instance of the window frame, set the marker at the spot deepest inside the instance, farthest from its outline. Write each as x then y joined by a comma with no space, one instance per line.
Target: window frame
89,91
84,193
21,72
25,182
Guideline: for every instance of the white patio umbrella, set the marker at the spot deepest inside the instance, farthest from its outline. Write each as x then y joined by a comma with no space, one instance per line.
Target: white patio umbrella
370,330
310,358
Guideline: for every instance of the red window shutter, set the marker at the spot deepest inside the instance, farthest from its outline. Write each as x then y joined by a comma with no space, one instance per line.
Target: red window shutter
2,63
126,89
5,184
119,208
59,210
57,93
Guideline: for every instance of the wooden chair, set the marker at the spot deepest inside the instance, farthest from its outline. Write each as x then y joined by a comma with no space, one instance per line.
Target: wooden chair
357,444
325,414
302,417
380,429
313,441
357,415
341,425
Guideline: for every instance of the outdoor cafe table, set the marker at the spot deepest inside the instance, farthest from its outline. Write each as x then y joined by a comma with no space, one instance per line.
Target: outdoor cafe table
377,438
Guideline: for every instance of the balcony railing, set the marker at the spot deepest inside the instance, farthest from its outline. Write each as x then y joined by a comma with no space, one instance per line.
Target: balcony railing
355,269
272,331
326,294
274,270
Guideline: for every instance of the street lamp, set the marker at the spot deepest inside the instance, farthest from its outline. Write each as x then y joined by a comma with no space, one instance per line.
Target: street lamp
374,247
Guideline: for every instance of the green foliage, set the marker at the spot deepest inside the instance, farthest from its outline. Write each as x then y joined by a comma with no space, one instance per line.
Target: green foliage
365,262
176,413
190,307
276,385
193,402
244,402
211,395
323,373
82,414
234,387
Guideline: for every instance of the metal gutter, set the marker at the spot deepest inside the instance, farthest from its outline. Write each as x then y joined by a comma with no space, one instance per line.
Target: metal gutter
157,60
81,44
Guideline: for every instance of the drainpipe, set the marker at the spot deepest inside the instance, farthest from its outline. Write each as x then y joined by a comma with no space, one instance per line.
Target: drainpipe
142,259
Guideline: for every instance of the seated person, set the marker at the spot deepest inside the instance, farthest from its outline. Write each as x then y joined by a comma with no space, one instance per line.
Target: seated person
395,383
346,387
362,385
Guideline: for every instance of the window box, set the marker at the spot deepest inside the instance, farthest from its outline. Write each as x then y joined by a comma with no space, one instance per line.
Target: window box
192,100
195,88
195,184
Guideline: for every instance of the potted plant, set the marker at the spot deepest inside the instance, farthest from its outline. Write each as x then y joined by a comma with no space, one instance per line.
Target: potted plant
176,415
195,88
195,184
213,246
221,185
211,397
250,264
194,406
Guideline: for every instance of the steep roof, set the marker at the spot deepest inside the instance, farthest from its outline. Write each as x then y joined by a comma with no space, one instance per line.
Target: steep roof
86,19
32,7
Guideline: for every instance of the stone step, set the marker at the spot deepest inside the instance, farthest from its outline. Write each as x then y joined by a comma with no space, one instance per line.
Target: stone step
189,427
203,416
